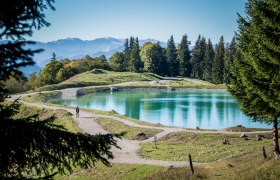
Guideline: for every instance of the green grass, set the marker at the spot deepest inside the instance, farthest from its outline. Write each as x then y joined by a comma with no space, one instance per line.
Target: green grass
132,133
113,113
91,78
62,117
42,97
245,166
181,83
85,91
115,172
103,77
202,147
244,129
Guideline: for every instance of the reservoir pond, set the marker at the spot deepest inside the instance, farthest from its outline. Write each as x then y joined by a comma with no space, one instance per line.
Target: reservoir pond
206,109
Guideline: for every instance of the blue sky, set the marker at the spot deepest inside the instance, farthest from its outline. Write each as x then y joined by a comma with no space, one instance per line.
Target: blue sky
157,19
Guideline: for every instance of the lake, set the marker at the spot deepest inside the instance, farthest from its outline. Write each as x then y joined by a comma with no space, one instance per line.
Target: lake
206,109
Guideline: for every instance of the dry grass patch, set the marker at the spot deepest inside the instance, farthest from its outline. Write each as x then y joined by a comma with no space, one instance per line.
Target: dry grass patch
133,133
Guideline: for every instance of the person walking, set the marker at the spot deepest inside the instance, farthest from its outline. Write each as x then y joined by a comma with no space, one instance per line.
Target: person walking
77,112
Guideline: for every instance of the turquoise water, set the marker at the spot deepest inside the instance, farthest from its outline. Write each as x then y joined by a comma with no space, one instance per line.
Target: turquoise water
205,109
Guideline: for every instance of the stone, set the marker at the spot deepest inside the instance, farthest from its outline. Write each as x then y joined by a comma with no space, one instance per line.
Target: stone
243,135
258,136
225,141
197,128
141,134
238,125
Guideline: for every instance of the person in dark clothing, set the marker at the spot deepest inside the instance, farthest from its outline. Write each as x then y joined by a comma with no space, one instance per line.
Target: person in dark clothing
77,112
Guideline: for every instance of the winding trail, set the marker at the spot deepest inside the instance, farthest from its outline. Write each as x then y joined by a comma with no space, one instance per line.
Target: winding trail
129,148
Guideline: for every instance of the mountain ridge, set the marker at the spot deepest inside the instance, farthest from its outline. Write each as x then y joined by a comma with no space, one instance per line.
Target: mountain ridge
73,48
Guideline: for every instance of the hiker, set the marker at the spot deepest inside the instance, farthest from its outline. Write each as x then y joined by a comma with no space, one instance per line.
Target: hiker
77,112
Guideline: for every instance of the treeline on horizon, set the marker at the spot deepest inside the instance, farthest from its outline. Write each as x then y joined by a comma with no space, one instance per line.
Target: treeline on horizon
204,61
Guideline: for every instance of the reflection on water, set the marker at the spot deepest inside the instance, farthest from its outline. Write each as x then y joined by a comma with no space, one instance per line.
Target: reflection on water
206,109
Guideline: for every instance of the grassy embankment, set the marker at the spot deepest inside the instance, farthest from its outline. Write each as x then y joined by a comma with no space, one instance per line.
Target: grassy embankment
133,133
42,97
100,77
183,83
62,117
103,77
179,83
203,147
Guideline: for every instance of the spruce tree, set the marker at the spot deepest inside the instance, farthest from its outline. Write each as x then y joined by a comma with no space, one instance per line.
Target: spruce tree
230,53
255,76
163,66
208,61
218,63
30,146
198,57
184,56
135,64
126,54
171,54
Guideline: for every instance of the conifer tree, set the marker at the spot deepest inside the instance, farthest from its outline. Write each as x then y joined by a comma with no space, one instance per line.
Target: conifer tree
198,57
255,77
126,54
163,66
208,61
171,54
184,56
135,60
230,53
30,147
218,63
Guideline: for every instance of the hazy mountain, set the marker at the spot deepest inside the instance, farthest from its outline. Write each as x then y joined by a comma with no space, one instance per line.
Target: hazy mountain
73,48
27,70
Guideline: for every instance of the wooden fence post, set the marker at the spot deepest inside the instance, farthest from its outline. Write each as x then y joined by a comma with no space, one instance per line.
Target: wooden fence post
191,165
264,153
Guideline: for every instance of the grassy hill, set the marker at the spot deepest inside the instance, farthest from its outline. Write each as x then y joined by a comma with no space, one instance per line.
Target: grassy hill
101,77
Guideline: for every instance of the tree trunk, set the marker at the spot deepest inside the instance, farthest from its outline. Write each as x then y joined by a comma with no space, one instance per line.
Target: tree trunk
275,137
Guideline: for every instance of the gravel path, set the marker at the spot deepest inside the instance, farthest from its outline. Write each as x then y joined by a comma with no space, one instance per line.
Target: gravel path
129,148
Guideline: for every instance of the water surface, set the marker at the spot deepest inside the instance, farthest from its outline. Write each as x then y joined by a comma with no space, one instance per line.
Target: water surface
205,109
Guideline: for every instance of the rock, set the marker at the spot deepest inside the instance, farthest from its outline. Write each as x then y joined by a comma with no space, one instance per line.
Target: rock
141,134
258,136
114,111
238,125
225,141
171,167
243,135
197,128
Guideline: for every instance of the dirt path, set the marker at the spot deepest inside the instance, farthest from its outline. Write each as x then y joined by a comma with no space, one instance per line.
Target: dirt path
129,148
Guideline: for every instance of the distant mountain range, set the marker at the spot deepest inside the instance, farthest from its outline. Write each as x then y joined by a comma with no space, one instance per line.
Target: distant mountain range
73,48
